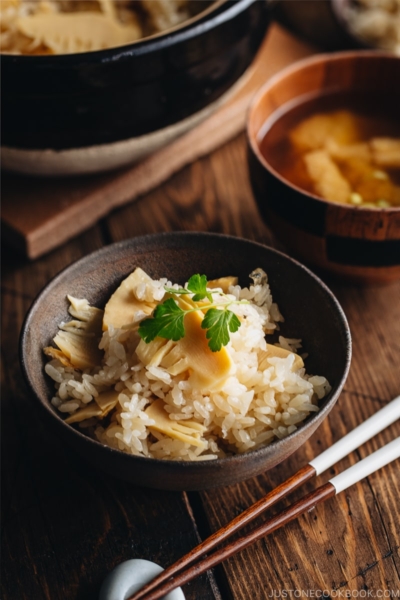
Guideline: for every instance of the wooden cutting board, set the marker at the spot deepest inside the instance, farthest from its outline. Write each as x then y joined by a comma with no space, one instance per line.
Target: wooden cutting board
39,214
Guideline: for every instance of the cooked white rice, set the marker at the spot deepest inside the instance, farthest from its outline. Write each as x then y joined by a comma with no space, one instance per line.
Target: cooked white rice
253,408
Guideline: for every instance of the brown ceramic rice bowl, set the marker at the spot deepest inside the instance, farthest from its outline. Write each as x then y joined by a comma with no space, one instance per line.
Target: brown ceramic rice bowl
310,311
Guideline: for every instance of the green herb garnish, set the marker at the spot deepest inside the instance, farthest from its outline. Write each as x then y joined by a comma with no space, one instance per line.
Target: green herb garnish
166,322
196,285
218,324
168,318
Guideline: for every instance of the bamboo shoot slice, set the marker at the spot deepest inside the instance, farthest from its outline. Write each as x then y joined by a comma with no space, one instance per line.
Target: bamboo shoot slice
159,355
81,309
66,33
179,430
107,401
87,412
103,404
121,308
58,355
223,282
79,339
180,367
209,370
276,351
148,353
82,352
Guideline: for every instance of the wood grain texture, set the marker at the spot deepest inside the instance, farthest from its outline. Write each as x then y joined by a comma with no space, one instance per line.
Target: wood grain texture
65,525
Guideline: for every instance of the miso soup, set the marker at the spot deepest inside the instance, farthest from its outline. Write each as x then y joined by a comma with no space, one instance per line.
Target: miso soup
341,147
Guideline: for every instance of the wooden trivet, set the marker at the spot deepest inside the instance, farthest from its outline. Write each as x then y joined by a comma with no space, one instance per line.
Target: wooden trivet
39,214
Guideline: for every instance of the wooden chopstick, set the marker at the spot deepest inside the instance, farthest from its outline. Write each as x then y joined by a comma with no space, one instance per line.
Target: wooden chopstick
304,474
222,534
372,426
354,439
306,503
362,469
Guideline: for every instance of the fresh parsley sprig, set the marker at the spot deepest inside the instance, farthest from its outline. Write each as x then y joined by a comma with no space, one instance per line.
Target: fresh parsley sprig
167,320
218,324
196,285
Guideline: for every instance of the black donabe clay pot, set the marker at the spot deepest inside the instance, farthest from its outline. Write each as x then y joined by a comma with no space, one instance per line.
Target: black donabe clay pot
82,100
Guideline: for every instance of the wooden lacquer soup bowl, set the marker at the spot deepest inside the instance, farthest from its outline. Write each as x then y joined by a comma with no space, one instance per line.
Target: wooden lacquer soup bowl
311,312
358,243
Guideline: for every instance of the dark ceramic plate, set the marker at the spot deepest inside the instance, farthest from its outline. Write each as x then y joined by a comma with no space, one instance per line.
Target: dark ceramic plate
86,99
311,312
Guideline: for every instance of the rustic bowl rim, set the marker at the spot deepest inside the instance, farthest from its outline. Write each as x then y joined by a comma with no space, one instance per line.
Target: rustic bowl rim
287,72
184,31
198,465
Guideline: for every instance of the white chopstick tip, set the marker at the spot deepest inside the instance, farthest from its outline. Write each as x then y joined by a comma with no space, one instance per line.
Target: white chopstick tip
361,434
368,465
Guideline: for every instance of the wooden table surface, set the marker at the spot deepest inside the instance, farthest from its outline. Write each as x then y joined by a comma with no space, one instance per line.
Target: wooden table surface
66,525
